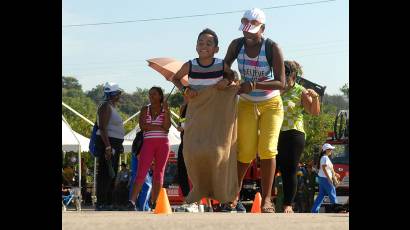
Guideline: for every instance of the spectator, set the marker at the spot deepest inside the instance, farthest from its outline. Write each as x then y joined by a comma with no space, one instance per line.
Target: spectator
310,188
68,175
155,121
110,136
326,175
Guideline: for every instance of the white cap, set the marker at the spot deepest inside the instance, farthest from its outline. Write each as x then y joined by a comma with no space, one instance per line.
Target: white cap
253,14
111,87
327,146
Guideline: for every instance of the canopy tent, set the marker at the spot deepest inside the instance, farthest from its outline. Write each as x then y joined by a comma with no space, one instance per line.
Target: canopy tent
73,141
173,136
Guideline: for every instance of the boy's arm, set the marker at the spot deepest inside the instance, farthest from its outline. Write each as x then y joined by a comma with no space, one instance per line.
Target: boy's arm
176,79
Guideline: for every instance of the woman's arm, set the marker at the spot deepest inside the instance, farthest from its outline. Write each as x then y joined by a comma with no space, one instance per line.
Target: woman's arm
104,114
229,57
327,174
310,102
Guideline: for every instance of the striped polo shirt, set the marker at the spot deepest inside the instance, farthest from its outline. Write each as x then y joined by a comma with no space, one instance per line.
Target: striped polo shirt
159,120
256,69
201,76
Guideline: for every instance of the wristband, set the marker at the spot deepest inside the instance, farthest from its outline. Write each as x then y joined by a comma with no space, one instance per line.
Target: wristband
108,147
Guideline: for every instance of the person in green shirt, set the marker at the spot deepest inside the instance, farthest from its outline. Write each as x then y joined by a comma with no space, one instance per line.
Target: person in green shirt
296,100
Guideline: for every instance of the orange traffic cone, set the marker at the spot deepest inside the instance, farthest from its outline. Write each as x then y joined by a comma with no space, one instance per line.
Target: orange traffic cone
257,202
162,205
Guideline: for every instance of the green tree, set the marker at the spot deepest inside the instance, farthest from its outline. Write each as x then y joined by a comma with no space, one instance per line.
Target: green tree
96,94
317,128
176,99
70,83
345,89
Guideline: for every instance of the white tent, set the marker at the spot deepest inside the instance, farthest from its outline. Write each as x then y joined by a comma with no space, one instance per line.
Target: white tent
173,136
73,141
71,138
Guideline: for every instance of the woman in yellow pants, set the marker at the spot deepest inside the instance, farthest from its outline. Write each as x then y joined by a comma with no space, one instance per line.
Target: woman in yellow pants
260,109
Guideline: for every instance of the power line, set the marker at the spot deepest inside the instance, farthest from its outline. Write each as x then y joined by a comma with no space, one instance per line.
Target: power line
189,16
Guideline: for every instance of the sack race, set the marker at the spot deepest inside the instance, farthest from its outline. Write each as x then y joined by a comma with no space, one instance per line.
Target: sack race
210,151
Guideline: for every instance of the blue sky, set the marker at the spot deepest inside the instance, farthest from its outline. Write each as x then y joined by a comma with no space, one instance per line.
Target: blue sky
317,36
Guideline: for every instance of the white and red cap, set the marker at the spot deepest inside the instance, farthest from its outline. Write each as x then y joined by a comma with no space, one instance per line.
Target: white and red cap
327,146
252,20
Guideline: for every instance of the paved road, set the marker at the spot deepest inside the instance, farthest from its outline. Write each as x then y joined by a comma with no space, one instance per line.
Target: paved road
89,220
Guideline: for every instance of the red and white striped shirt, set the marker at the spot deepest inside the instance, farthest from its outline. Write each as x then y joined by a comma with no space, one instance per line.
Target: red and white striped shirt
159,120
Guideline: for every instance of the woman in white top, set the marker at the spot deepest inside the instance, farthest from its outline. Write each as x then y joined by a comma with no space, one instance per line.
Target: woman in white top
326,178
110,136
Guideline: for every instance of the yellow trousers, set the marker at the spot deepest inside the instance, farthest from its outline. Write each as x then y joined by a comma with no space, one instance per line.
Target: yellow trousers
259,125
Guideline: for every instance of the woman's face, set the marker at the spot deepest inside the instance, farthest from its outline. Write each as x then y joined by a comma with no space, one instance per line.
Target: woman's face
250,38
154,96
329,152
116,98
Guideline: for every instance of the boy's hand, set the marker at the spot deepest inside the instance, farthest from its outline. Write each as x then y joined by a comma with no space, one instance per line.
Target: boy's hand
191,93
222,84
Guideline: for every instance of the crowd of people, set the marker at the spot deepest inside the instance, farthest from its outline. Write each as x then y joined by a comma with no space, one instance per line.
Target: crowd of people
229,121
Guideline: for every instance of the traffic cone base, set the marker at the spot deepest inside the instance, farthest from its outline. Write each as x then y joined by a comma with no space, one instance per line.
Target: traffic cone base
162,204
257,202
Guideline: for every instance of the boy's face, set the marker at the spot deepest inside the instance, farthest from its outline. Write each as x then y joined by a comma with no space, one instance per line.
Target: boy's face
205,46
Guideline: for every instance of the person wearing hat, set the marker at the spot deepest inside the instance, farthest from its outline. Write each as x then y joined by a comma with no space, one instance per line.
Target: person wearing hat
296,100
110,136
260,109
325,176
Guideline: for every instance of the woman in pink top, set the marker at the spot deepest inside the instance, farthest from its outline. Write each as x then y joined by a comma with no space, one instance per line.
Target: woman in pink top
155,121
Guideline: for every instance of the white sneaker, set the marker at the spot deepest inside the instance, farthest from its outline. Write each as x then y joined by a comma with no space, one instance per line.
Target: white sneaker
192,208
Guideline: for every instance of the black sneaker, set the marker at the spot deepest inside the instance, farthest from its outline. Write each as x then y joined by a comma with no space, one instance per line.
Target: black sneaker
227,207
240,208
130,207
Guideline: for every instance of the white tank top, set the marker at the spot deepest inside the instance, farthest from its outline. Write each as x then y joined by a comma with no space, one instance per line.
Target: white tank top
115,128
256,69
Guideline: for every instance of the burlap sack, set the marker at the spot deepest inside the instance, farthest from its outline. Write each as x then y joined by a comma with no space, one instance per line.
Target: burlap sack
210,145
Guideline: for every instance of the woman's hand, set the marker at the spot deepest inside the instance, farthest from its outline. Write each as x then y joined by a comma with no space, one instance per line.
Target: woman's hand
108,153
312,93
180,129
337,175
245,87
